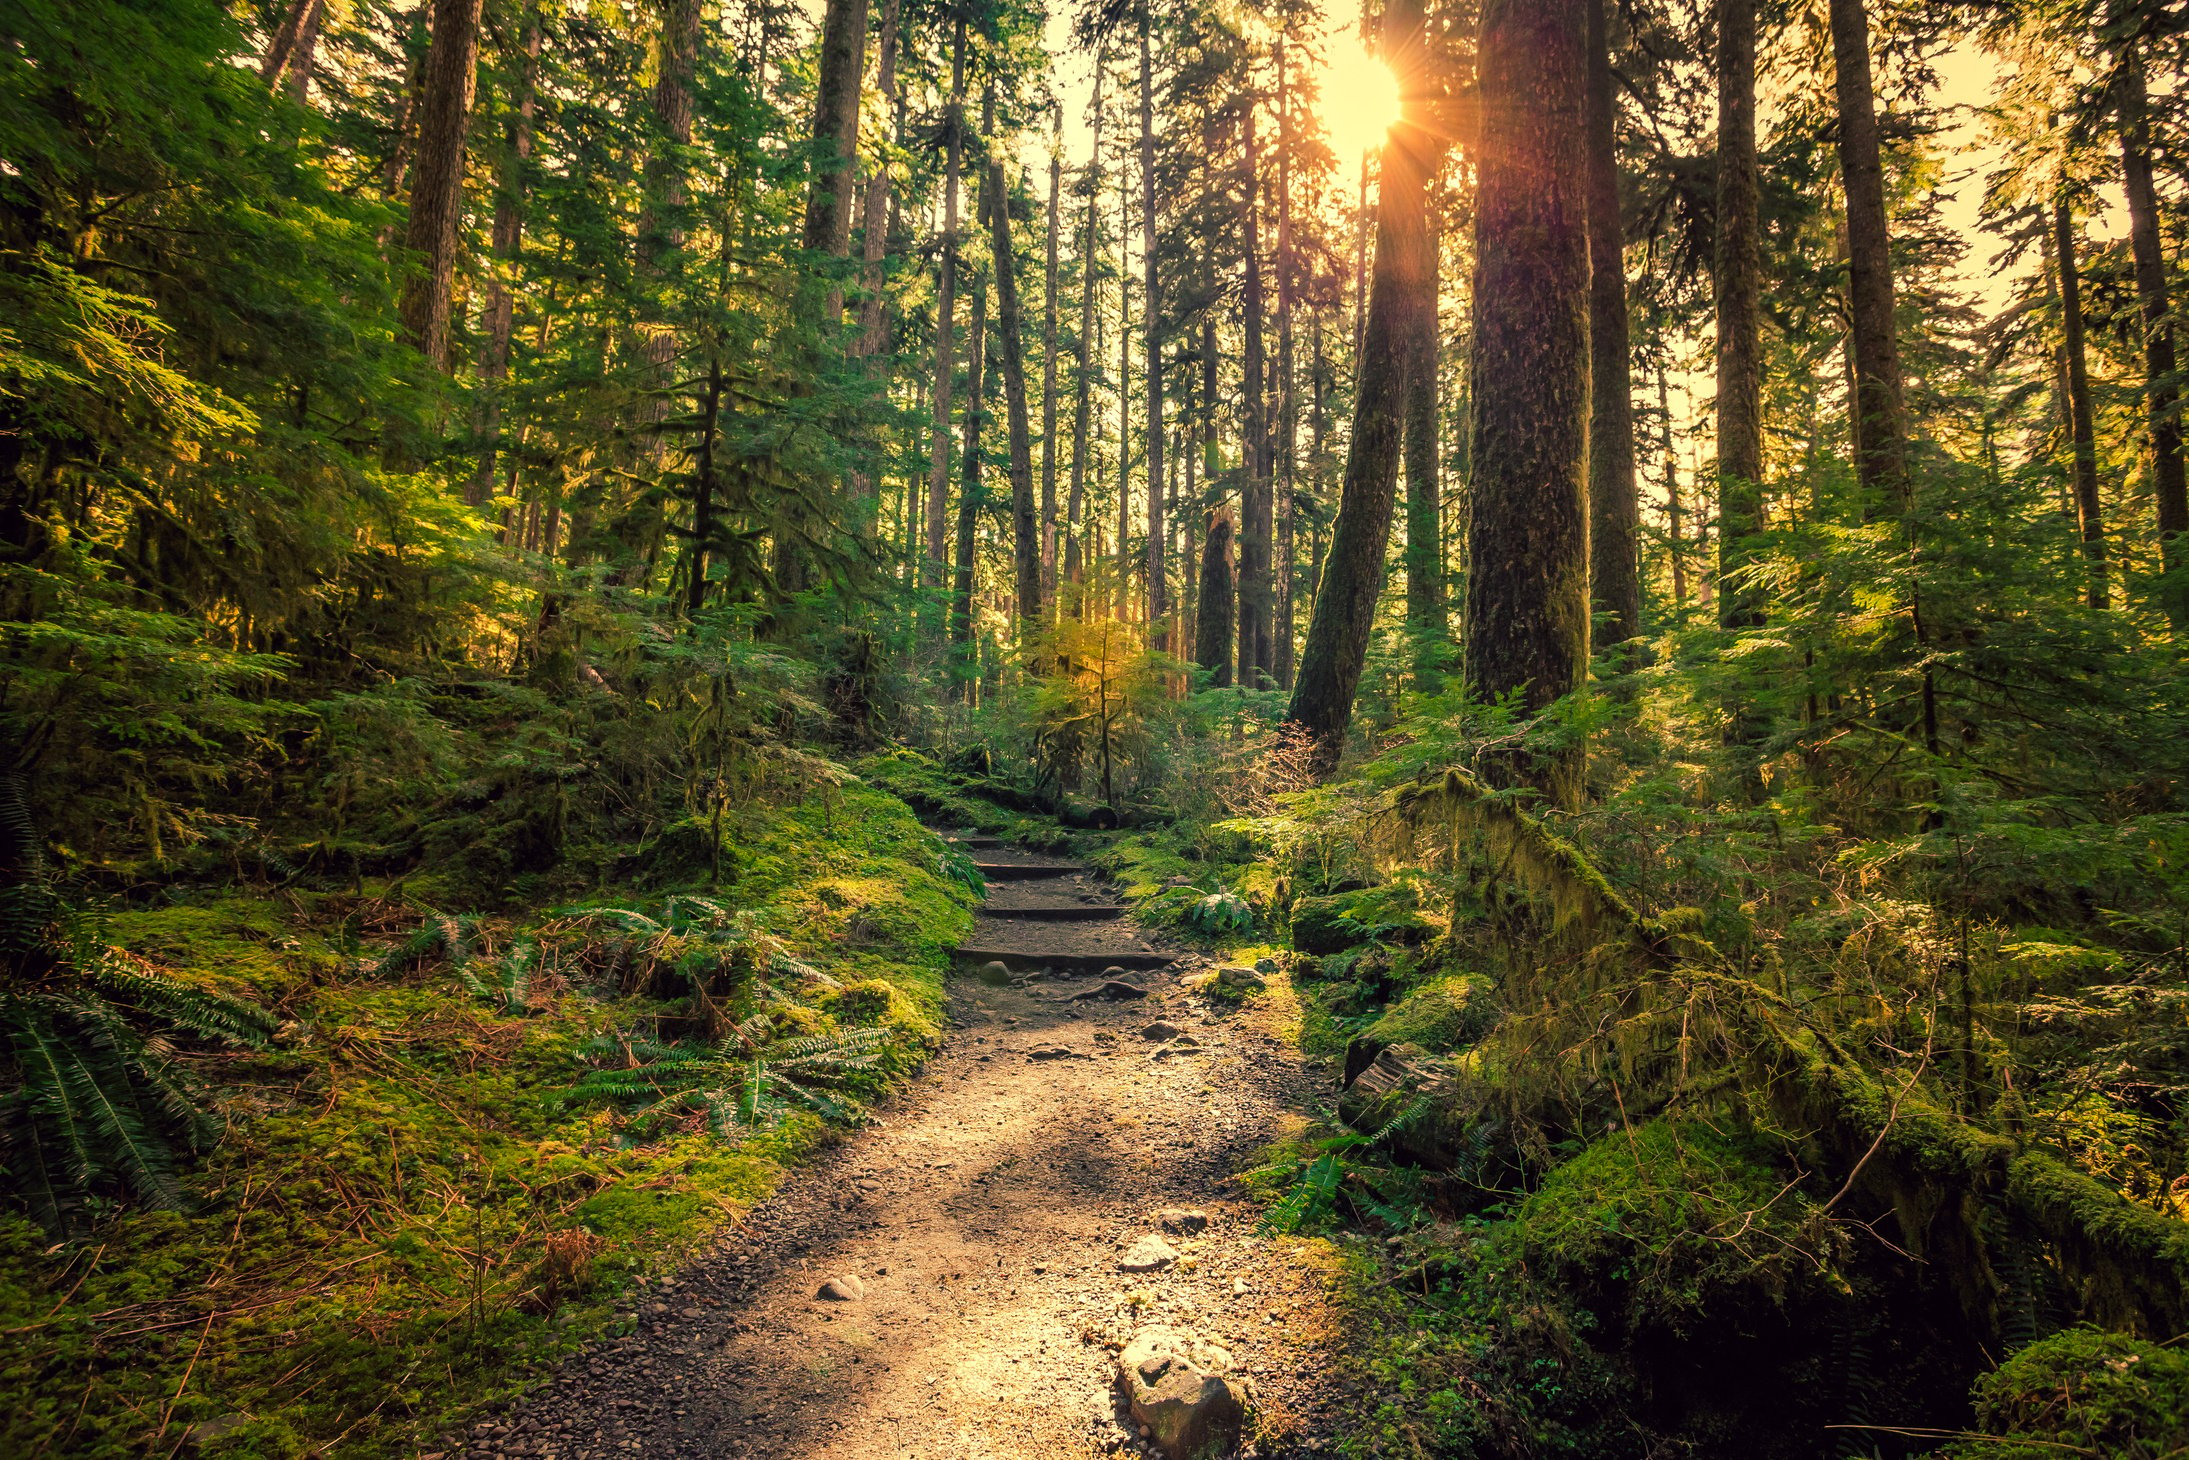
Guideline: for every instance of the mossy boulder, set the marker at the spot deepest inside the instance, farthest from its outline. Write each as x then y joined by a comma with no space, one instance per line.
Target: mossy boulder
1342,920
1324,925
2083,1392
1672,1228
1443,1014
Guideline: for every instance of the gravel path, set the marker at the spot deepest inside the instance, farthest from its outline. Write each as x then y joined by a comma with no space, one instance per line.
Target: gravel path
982,1219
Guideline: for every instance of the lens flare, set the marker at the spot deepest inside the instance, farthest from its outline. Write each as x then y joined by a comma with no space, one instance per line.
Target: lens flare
1360,98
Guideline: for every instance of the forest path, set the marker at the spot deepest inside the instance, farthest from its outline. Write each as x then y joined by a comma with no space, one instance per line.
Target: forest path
984,1215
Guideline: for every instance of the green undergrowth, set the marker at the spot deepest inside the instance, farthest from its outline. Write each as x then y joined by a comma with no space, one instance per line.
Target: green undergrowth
944,798
410,1211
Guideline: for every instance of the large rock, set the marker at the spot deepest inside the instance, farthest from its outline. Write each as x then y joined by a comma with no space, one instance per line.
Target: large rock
1322,925
1181,1389
1150,1254
1443,1014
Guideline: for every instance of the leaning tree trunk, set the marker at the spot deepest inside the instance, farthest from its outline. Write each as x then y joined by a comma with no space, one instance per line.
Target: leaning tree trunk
1739,290
2161,391
437,186
1254,514
1615,571
2089,511
1025,528
293,41
1152,313
1881,457
938,467
1527,583
1352,578
1212,619
508,242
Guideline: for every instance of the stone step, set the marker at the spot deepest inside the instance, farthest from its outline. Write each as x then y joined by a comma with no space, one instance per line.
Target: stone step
1025,959
1069,912
1026,871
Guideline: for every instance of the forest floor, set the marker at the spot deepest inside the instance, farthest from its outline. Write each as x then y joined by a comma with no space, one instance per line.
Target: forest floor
984,1216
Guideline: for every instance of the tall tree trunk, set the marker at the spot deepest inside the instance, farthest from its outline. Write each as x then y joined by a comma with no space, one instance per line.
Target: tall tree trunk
1288,405
877,210
1426,623
1254,514
1010,339
1151,309
2161,392
1360,272
1345,605
1212,619
1739,291
509,201
1124,385
1083,353
396,171
1615,568
938,468
972,491
1527,580
836,134
1675,535
1881,460
2089,512
437,192
302,18
1048,368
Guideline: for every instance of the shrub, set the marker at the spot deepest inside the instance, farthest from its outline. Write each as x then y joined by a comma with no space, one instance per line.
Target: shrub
2083,1392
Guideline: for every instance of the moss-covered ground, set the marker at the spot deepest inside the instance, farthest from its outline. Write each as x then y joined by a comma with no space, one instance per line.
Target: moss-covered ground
408,1213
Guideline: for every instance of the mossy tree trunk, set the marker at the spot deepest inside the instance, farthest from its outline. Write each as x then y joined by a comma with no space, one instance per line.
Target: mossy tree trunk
437,184
2082,435
1527,628
2161,390
1615,577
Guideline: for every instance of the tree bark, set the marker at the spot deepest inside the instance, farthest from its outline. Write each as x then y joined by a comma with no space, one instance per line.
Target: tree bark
836,133
1083,349
1048,369
1152,312
972,492
1288,405
1352,579
1025,526
1739,295
2169,488
1426,623
437,191
1124,386
938,468
1217,592
1527,583
1615,569
301,19
877,207
1881,460
509,203
2089,512
1254,494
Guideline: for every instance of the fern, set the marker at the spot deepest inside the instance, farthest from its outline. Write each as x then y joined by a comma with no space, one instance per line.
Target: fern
749,1079
92,1100
442,934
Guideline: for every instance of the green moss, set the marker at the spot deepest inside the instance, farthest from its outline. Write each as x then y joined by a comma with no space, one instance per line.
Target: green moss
407,1216
2083,1392
1669,1226
1442,1014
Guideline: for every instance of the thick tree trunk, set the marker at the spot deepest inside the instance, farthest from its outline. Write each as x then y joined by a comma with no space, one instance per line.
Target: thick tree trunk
301,19
1881,460
1739,296
1288,406
1025,526
1217,592
1254,514
878,207
437,191
2089,512
2161,392
1158,594
1048,369
1615,568
938,467
509,202
1352,578
1426,623
836,131
1527,582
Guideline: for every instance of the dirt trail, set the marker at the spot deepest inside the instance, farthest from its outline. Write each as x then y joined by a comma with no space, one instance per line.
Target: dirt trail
984,1215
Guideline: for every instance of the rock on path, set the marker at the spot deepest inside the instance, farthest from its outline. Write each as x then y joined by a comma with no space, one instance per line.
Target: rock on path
972,1237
